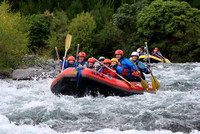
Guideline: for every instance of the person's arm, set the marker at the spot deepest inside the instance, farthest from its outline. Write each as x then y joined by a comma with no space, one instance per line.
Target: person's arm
100,69
119,69
76,63
143,68
130,65
66,64
87,65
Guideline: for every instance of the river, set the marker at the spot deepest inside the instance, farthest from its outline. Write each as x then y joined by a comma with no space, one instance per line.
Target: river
29,107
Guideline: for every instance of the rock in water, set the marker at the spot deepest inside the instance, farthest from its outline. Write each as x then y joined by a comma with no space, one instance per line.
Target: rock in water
26,74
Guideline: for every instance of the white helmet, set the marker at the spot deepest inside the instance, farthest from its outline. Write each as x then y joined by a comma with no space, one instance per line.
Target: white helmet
135,54
138,50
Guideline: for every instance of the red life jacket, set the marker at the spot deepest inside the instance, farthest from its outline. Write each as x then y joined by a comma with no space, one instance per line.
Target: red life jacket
124,73
108,71
155,55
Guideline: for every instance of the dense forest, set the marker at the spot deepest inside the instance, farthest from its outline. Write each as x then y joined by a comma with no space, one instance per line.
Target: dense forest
100,27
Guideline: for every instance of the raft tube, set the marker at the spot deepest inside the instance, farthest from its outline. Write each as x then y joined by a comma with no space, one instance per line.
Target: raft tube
154,59
84,81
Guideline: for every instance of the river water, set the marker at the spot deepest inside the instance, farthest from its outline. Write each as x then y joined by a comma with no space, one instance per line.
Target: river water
29,107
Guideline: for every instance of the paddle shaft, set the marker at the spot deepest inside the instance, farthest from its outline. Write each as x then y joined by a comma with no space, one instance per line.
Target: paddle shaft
161,57
58,56
115,73
137,69
77,53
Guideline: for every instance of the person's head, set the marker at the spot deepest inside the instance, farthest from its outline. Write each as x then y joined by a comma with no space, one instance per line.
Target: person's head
119,54
135,56
101,59
91,62
71,60
114,61
156,49
107,62
138,50
145,48
81,57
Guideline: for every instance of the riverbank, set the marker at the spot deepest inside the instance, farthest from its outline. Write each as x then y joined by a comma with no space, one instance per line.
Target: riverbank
32,67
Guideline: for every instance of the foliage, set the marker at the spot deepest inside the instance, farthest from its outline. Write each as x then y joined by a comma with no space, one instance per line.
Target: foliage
126,16
39,31
108,40
13,37
82,28
174,26
58,32
102,14
162,19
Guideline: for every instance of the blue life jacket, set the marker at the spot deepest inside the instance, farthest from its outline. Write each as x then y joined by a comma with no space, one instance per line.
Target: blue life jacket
68,65
157,54
118,69
128,65
83,63
142,68
144,53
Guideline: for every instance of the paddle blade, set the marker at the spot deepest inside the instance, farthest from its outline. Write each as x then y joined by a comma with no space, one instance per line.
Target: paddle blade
153,84
144,84
157,84
167,61
68,42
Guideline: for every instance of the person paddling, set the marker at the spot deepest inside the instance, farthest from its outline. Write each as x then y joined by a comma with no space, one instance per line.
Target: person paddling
101,59
156,53
145,51
105,70
69,63
139,64
91,62
81,60
115,66
126,64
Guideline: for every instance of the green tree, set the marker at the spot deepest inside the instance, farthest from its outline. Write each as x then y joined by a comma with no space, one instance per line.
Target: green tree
162,19
108,40
58,32
39,31
171,24
82,29
13,37
126,16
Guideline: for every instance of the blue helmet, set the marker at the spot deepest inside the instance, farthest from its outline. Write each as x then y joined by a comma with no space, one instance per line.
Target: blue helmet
145,47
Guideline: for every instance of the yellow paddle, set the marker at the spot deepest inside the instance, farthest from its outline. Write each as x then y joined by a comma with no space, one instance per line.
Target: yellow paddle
115,73
144,83
67,46
155,83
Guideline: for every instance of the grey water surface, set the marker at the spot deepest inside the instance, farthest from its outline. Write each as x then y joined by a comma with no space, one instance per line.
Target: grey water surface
175,107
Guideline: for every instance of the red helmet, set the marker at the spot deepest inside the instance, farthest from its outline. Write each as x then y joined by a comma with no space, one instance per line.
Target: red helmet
119,52
140,48
82,54
156,49
71,58
91,60
106,61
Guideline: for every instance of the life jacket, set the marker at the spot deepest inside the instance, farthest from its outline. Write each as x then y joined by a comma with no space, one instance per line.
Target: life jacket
92,67
71,65
124,69
84,63
107,71
141,73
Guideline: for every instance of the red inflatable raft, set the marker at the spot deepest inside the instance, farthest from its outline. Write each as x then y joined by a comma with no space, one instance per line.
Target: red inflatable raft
83,81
